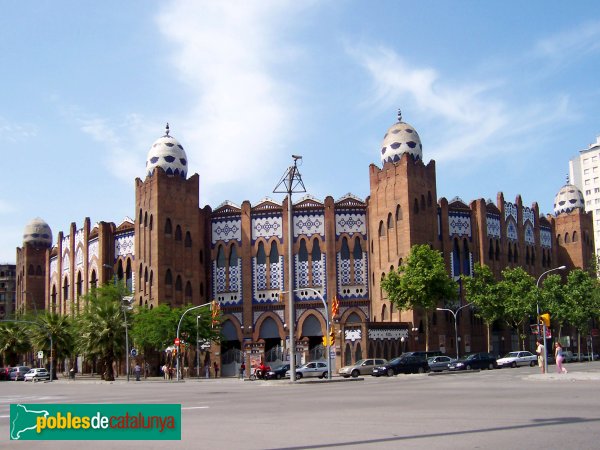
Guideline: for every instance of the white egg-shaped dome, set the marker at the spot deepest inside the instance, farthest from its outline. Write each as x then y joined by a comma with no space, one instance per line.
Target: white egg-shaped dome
567,199
37,234
168,154
400,138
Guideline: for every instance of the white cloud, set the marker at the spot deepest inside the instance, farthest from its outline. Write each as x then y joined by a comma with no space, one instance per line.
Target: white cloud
465,120
570,44
227,54
14,132
6,207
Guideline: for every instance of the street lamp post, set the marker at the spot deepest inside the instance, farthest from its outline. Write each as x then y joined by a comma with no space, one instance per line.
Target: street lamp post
291,182
179,326
454,314
197,348
537,285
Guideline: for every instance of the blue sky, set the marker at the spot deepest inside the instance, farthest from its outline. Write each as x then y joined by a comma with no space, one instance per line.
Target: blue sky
502,94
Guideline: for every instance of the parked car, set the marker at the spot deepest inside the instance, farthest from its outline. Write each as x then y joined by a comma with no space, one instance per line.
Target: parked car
402,364
475,361
516,359
37,374
568,356
590,356
277,372
310,369
578,357
361,367
423,354
18,373
439,363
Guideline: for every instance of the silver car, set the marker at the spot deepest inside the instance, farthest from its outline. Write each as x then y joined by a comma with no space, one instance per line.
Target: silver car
515,359
310,369
361,367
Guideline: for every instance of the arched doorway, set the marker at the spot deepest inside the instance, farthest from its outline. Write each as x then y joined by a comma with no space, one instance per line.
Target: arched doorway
311,329
231,350
269,332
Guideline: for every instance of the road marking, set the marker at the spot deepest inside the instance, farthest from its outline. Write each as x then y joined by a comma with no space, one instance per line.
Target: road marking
196,407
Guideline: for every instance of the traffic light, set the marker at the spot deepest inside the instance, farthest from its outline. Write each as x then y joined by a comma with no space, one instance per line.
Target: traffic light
324,341
545,319
332,336
335,306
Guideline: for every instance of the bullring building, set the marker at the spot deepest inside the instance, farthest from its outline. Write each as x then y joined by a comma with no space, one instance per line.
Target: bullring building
175,252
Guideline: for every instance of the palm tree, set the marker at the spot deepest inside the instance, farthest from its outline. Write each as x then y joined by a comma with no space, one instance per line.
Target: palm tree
61,329
14,341
101,327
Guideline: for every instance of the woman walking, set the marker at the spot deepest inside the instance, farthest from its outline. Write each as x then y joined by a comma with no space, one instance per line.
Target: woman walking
558,356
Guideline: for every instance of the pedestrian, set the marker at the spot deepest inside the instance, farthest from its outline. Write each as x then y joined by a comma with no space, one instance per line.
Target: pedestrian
207,370
165,371
242,370
138,372
216,366
170,370
541,352
559,357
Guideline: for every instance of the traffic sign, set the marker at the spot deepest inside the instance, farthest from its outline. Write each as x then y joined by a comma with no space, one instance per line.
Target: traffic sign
40,355
177,341
133,352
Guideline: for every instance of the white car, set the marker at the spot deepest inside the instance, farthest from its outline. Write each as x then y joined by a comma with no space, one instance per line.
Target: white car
515,359
311,369
37,374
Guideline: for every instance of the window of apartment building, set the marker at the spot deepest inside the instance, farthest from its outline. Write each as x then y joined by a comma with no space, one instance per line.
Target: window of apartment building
596,180
598,211
587,182
586,171
596,190
588,203
586,160
594,158
595,169
588,192
596,201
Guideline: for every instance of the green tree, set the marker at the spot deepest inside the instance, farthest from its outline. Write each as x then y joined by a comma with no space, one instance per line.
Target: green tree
481,289
101,327
553,300
420,282
519,294
61,329
582,301
14,342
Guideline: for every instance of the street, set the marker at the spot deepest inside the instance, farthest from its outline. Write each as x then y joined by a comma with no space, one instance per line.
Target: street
505,408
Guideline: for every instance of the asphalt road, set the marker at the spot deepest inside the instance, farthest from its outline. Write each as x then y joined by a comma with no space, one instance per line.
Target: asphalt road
506,408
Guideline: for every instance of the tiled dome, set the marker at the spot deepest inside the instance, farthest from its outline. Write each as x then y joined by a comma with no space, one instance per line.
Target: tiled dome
37,234
168,154
400,138
567,199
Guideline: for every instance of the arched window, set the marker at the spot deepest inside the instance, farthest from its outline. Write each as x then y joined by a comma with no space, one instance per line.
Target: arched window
456,258
381,229
261,256
390,221
168,227
416,206
168,278
233,258
66,289
151,221
274,253
466,258
30,270
543,258
39,271
497,250
146,219
422,201
491,250
527,256
567,238
303,252
316,250
188,290
178,284
357,252
345,250
79,284
429,199
141,218
93,280
220,257
574,236
383,312
188,239
509,253
398,213
178,234
533,256
559,239
516,254
129,277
